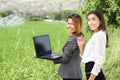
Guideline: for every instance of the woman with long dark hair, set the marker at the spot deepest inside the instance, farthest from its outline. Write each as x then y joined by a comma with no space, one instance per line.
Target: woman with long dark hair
93,55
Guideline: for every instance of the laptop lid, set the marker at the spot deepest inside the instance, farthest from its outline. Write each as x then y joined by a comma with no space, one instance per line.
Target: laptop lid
42,45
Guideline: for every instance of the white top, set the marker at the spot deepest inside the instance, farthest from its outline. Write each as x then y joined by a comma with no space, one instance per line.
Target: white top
95,50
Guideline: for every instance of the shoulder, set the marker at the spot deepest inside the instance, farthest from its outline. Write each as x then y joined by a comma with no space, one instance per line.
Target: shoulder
100,34
72,38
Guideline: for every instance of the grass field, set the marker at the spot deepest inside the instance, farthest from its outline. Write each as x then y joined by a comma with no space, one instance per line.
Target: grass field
17,55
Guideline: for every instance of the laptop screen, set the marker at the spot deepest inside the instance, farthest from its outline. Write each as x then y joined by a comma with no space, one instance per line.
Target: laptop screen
42,45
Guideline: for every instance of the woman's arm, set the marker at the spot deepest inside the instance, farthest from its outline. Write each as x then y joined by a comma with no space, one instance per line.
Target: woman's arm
92,77
68,50
99,50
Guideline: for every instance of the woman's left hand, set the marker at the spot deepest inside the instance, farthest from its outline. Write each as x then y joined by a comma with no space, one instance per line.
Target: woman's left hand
81,43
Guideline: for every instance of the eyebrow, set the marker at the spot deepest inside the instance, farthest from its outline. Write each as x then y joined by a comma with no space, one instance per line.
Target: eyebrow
92,18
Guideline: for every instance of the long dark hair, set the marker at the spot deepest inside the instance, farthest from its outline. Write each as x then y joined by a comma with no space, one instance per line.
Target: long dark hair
102,25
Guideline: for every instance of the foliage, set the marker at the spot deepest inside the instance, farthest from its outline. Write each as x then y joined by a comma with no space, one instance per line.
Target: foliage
31,17
57,16
66,13
62,15
110,9
6,13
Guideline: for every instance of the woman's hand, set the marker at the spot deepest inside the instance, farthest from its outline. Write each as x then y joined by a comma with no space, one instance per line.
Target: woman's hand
81,43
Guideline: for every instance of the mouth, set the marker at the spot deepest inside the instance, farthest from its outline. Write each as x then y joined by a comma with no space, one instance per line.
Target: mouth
92,26
70,30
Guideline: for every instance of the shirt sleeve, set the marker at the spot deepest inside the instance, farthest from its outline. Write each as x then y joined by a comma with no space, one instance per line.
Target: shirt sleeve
68,50
99,51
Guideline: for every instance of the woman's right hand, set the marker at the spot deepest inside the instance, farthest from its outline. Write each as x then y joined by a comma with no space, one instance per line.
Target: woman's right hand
81,43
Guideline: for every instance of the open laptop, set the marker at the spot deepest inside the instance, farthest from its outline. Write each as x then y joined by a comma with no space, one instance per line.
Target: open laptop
43,47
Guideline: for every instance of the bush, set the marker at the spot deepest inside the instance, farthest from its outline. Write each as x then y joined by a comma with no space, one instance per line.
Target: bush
31,17
62,15
110,9
6,13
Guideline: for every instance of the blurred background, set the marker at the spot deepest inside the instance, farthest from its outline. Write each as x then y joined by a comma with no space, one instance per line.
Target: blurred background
20,20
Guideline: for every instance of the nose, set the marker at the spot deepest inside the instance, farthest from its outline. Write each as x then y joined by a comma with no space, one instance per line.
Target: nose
90,22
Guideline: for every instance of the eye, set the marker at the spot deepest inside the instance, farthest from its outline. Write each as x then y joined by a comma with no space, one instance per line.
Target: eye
68,23
71,23
88,19
93,19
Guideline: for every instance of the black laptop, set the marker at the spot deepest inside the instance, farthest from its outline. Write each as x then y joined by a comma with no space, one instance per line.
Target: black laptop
43,48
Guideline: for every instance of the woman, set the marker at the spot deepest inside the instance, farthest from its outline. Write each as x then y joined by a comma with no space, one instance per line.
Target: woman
70,61
94,53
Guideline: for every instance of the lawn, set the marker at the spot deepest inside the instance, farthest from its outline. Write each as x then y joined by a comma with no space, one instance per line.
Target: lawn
17,55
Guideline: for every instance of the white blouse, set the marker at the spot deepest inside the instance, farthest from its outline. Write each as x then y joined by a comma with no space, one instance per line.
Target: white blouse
95,50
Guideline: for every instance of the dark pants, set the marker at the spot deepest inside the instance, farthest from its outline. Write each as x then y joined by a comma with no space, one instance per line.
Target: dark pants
71,79
88,68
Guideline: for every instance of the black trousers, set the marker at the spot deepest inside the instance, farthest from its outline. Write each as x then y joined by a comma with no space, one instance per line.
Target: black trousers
71,79
88,68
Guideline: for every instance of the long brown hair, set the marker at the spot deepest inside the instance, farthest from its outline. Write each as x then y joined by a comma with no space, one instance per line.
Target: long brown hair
102,25
77,22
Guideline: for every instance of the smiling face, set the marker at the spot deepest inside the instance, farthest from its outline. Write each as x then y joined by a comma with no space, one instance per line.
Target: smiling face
70,26
93,22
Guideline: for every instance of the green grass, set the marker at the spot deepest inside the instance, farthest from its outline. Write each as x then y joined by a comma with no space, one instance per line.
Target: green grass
17,51
17,55
112,64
